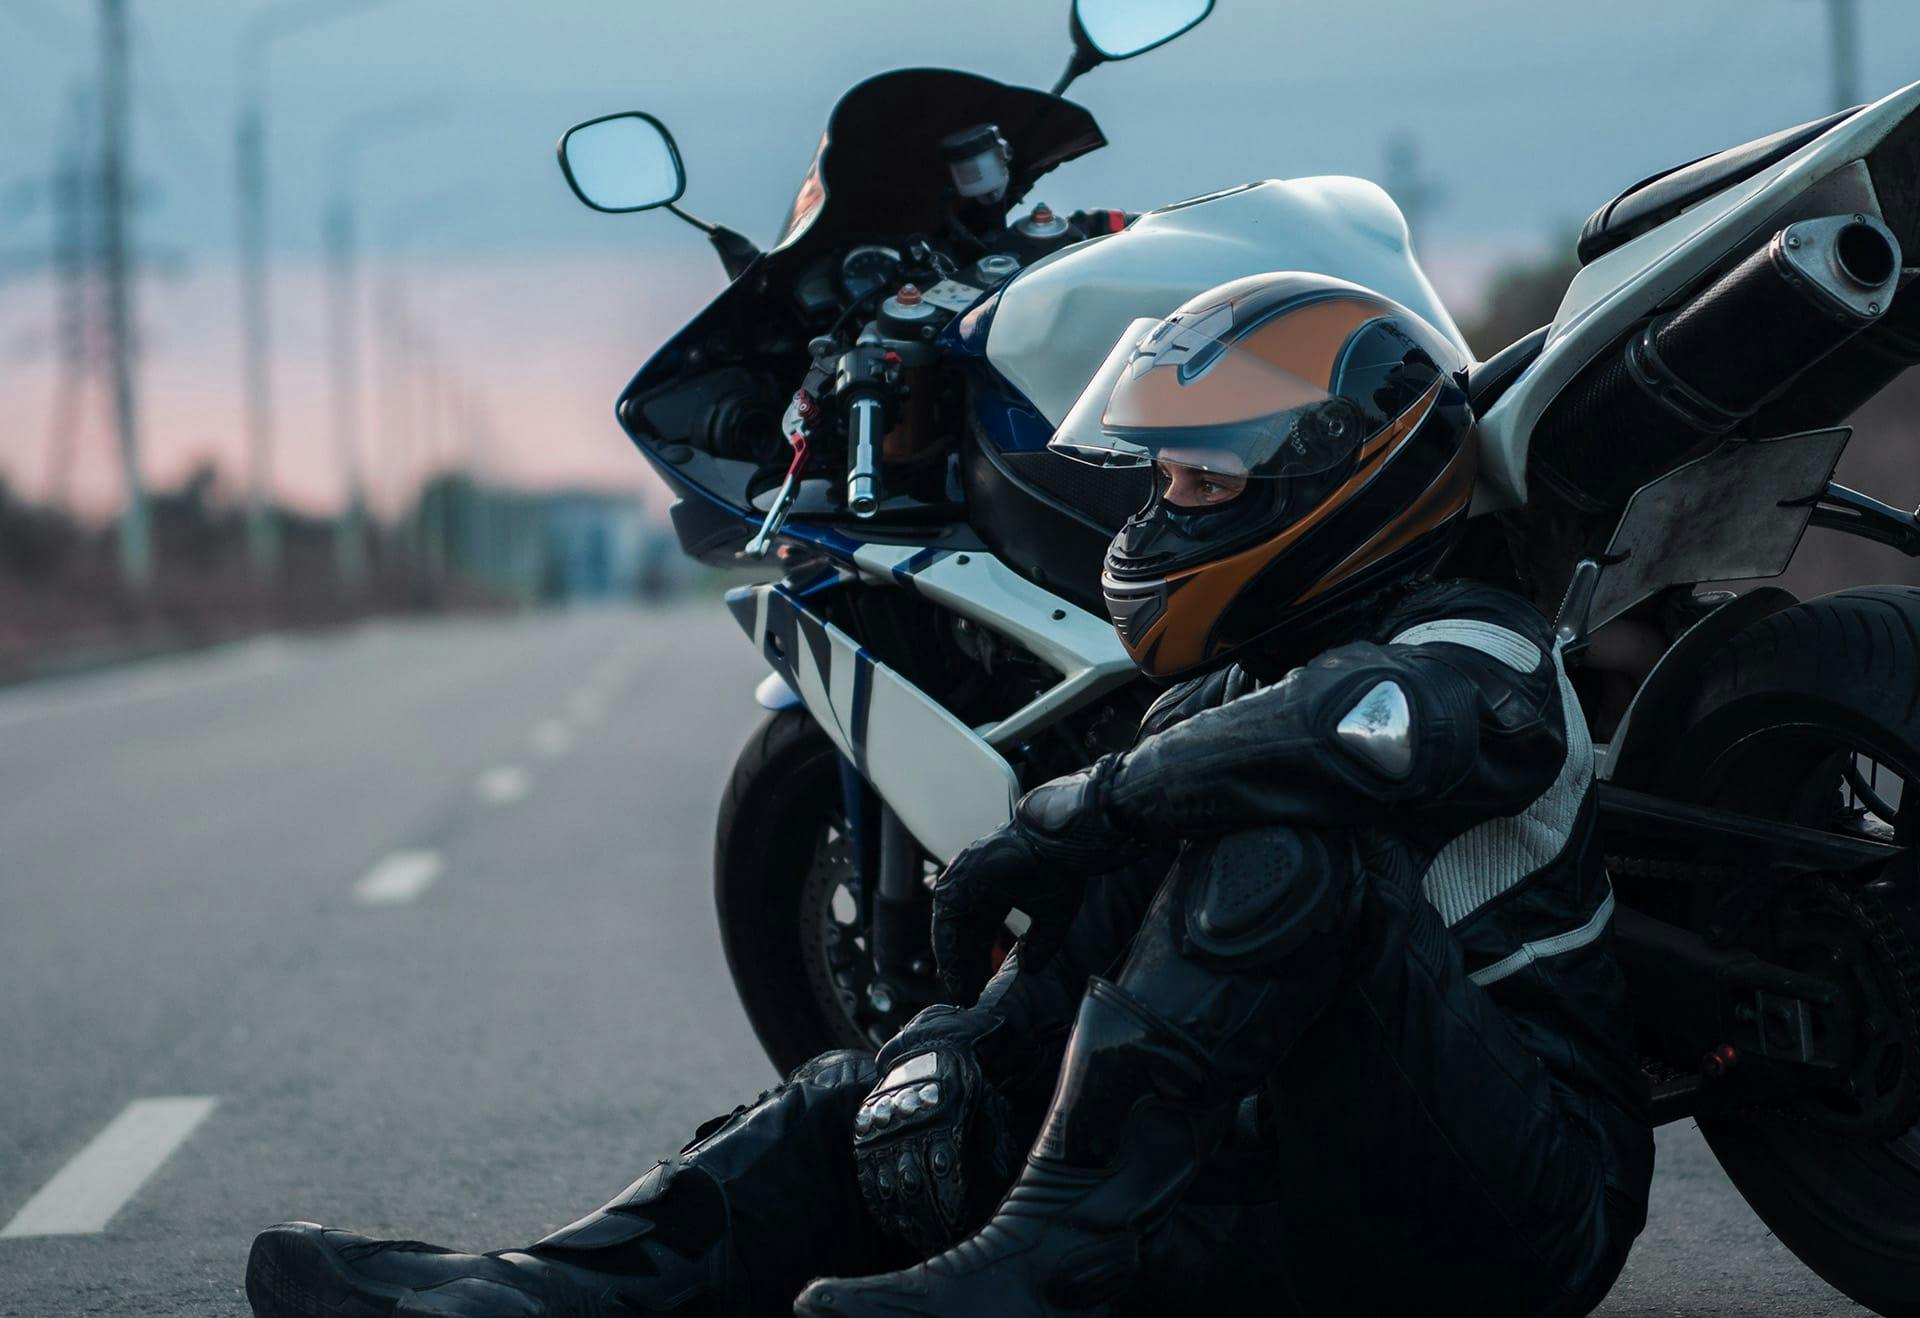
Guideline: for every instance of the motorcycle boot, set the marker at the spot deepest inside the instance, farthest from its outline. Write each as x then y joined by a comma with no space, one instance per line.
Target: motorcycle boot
713,1231
1244,944
1132,1119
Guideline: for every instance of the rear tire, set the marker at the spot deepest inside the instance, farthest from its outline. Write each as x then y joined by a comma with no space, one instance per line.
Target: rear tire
1783,708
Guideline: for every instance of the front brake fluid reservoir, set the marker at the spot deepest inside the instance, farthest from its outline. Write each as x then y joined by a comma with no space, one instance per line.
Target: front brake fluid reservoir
1041,222
908,315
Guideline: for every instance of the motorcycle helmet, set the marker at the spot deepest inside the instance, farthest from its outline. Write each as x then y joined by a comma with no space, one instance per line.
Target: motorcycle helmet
1312,446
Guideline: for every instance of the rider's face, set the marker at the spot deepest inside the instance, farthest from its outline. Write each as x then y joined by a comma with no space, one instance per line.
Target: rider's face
1193,487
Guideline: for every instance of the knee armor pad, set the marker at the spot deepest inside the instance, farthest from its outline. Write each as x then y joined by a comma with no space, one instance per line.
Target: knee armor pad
1263,894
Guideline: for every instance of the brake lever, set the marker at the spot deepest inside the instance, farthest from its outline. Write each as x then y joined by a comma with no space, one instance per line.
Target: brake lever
799,412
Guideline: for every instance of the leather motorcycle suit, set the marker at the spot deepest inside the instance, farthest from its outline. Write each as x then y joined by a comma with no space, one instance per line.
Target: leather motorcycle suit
1379,911
1387,912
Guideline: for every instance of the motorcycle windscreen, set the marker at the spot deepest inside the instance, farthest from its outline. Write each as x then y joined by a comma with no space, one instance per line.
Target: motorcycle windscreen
1172,393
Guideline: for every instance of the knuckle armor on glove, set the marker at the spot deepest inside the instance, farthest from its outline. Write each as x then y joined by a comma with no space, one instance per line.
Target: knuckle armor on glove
1066,821
930,1146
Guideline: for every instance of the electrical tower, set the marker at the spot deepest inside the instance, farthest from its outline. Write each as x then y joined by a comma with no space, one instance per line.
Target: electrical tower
1843,26
78,335
136,542
1412,190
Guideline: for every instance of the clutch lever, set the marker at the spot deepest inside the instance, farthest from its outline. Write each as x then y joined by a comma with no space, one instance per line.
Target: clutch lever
799,413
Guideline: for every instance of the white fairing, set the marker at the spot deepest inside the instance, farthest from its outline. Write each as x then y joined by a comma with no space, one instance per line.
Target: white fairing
1058,318
1639,277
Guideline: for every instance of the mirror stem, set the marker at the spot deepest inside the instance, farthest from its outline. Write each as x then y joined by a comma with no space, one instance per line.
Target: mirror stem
1083,60
736,250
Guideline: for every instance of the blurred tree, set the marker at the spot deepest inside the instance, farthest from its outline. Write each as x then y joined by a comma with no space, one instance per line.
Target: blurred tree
1521,297
33,539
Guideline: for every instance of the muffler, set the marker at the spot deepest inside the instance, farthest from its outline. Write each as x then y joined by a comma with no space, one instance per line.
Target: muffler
1696,372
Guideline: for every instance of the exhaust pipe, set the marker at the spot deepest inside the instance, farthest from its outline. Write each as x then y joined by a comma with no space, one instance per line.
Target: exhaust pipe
1693,374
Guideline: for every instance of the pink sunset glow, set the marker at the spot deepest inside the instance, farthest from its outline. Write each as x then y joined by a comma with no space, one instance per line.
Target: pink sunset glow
544,342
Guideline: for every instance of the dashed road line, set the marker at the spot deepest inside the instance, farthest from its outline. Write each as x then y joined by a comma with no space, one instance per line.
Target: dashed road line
552,737
586,707
398,878
503,785
97,1182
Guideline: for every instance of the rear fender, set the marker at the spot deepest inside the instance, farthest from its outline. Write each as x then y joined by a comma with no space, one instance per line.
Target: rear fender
1659,706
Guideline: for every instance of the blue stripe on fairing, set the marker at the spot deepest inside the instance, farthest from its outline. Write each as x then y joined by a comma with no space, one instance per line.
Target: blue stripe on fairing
853,796
781,641
862,698
740,603
905,570
825,539
1009,421
790,624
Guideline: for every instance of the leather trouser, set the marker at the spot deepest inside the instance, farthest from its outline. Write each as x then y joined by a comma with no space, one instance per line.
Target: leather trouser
1419,1155
1410,1150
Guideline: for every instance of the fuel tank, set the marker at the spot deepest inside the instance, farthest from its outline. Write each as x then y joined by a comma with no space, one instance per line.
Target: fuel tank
1058,318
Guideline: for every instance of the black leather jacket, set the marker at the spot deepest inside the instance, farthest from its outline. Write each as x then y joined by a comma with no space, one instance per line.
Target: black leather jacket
1488,793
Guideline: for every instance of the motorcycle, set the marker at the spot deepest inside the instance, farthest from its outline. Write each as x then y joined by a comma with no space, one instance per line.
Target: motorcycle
866,407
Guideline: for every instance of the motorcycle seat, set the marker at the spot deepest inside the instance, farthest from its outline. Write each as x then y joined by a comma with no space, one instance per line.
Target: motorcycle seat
1658,198
1488,380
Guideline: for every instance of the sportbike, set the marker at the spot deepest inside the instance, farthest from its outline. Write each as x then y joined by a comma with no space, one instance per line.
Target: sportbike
865,410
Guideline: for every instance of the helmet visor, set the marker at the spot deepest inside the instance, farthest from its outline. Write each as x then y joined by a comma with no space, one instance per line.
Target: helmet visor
1173,394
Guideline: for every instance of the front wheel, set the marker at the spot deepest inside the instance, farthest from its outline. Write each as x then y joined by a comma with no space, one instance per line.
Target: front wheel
785,892
1812,716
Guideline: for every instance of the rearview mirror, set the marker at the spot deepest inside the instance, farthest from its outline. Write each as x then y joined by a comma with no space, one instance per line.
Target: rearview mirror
1121,29
623,162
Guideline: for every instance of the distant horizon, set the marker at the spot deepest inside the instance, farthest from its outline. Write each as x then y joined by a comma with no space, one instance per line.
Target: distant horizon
1523,118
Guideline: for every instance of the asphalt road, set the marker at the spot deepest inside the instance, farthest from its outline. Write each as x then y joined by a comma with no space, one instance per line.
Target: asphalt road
422,911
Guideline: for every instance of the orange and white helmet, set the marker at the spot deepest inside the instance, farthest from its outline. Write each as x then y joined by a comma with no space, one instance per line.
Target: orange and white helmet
1312,445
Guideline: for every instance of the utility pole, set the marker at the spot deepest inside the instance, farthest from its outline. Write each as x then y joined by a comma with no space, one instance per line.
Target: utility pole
350,139
251,198
256,337
71,195
1843,24
1412,190
136,544
343,299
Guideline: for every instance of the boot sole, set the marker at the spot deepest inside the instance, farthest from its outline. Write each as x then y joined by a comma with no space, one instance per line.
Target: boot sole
291,1274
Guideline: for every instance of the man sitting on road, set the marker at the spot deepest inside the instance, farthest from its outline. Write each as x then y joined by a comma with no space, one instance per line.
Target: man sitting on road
1318,974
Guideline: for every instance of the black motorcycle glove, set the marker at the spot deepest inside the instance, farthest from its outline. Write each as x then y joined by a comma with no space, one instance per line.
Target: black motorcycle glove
1039,861
930,1144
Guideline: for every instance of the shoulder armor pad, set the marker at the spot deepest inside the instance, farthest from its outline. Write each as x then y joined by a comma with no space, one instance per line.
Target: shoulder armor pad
1379,729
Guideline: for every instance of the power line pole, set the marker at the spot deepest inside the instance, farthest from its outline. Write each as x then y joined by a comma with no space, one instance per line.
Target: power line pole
343,300
1412,190
339,227
256,334
1843,25
136,543
251,199
76,338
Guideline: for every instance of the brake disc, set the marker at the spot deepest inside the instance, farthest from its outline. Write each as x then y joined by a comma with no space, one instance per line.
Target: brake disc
1864,939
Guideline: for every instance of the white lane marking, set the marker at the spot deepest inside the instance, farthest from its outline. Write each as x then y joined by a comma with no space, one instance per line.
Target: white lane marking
552,737
398,878
255,659
504,785
587,707
97,1182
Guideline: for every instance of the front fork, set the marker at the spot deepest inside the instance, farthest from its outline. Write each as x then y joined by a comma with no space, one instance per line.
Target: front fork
887,870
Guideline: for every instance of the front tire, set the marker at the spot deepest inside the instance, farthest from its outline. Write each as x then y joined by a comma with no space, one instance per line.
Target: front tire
780,885
1812,716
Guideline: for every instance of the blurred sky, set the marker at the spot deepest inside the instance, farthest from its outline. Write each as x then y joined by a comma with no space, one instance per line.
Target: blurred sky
1527,114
